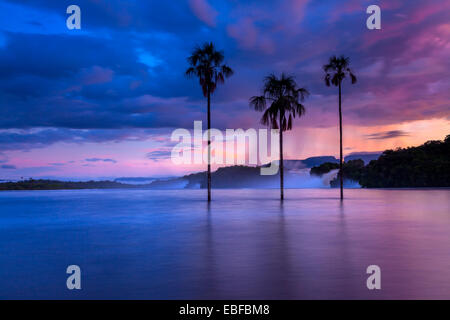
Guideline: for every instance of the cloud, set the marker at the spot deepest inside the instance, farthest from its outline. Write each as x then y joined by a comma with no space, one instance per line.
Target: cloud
204,11
124,74
113,15
387,135
26,139
8,166
100,160
96,75
157,155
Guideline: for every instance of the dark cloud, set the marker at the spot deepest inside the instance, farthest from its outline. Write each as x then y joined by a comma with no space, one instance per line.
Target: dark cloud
27,139
387,135
125,16
159,154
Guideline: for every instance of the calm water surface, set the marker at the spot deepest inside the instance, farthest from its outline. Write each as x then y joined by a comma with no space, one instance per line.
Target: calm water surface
149,244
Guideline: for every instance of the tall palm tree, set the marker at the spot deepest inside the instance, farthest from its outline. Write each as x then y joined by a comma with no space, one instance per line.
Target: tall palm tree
336,71
206,63
281,102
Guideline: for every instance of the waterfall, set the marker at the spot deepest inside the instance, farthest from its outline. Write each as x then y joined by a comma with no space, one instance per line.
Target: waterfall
327,177
301,178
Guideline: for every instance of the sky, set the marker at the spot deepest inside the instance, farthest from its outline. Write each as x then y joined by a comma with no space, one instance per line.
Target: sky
103,101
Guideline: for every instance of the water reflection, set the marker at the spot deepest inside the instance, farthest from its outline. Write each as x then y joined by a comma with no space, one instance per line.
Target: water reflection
246,244
210,274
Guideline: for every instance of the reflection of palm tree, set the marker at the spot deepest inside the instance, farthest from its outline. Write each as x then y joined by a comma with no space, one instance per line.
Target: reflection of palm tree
285,99
206,63
336,71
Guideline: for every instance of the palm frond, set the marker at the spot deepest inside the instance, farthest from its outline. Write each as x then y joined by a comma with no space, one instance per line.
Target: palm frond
300,108
227,71
258,103
289,125
190,72
266,119
327,79
352,76
303,93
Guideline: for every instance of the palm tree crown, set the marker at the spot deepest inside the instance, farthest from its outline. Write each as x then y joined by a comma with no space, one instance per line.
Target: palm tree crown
206,63
337,70
285,101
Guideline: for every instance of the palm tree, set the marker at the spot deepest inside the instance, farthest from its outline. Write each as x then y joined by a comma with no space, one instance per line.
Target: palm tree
206,63
336,71
281,102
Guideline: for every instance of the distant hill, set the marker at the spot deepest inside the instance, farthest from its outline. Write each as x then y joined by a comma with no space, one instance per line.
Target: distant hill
230,177
237,176
135,180
138,180
42,184
364,156
308,162
226,177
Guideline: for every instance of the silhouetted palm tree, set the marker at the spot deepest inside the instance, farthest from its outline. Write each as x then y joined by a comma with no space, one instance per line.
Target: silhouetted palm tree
281,103
206,63
336,71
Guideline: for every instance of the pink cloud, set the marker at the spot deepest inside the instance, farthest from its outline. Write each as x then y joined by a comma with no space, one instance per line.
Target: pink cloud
404,23
260,27
204,11
248,36
96,75
296,9
347,7
244,31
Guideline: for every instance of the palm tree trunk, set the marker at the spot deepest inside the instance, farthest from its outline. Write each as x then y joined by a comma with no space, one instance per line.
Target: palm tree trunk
209,145
341,175
281,162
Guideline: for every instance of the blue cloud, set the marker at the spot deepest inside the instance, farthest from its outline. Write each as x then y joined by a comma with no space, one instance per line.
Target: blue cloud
8,166
100,159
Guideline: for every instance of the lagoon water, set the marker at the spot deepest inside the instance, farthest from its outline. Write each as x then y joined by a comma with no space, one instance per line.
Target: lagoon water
149,244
